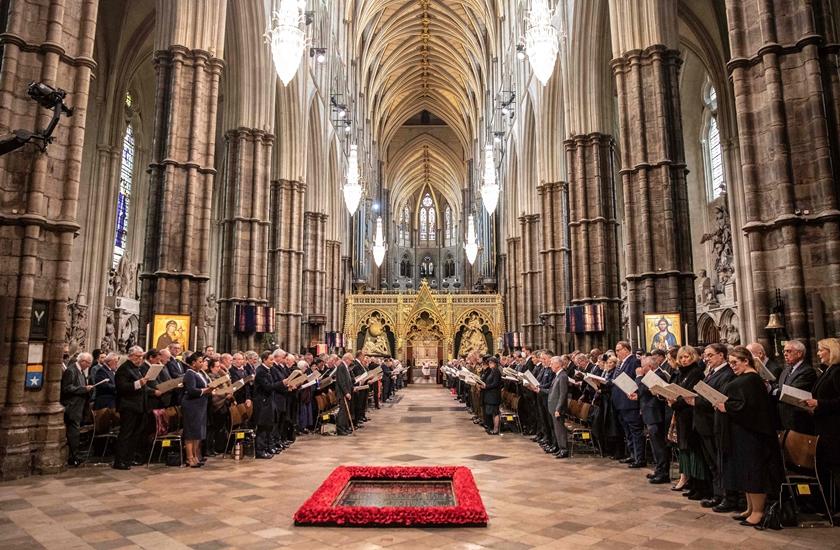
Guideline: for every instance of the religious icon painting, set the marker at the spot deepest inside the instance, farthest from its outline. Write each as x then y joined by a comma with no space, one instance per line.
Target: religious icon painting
663,331
169,329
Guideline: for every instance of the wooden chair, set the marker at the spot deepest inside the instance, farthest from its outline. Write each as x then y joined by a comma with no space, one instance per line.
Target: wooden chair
799,452
173,434
239,430
106,425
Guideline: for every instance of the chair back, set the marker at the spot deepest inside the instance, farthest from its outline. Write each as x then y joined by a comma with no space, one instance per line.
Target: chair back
235,416
800,450
244,412
103,420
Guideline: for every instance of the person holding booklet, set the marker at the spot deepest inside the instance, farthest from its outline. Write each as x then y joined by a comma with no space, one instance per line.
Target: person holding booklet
695,478
194,409
749,447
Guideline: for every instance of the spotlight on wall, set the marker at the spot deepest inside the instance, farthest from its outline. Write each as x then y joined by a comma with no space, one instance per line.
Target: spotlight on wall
520,52
347,129
320,54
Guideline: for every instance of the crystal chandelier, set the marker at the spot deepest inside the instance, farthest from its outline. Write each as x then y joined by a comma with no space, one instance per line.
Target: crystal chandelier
379,246
287,39
352,187
541,40
490,189
471,246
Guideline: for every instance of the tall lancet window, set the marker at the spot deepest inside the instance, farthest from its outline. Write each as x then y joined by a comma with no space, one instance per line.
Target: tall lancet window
405,227
124,195
712,149
447,225
428,219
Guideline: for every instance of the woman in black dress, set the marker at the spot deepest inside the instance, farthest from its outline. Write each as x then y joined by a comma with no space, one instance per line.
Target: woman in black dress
491,395
194,408
825,406
749,449
694,472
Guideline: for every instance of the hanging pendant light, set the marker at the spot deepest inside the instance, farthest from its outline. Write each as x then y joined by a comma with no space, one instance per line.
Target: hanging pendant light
541,41
379,246
352,188
490,188
471,246
287,38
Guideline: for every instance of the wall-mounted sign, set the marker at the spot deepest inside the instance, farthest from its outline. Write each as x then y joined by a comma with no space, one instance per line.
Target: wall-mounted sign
39,327
34,377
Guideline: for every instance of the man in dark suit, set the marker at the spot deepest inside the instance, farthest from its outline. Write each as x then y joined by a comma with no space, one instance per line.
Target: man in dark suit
154,357
106,392
357,368
557,397
132,404
264,413
281,391
237,372
798,374
656,420
75,393
627,409
718,375
546,379
176,369
344,394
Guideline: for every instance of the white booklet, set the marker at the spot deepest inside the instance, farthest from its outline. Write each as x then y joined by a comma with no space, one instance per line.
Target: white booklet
651,379
594,380
709,393
794,396
153,371
530,380
625,383
765,373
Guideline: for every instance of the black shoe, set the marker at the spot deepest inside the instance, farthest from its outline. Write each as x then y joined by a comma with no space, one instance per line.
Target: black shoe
265,456
626,460
695,496
121,466
659,480
746,523
73,462
637,465
562,453
725,507
740,517
650,476
137,463
711,502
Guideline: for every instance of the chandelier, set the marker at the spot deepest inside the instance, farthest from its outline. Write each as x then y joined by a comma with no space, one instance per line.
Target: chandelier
490,189
287,39
379,246
352,188
541,40
471,246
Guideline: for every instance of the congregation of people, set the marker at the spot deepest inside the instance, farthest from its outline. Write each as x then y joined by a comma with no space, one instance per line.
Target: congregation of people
728,454
203,397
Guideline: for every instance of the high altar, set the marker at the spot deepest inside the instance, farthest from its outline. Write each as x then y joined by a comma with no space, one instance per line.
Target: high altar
423,325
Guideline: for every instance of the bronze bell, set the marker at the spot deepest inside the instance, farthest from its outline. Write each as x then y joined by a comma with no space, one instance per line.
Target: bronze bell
775,322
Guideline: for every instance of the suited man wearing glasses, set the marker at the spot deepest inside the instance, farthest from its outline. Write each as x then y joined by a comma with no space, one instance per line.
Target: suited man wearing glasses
798,374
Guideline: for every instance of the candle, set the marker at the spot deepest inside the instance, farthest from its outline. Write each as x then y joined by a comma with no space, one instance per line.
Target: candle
639,337
195,338
148,336
685,335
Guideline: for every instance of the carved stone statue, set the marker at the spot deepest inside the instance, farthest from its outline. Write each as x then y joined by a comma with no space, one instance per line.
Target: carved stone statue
472,338
625,309
376,339
729,334
703,286
122,281
109,341
77,326
721,239
211,309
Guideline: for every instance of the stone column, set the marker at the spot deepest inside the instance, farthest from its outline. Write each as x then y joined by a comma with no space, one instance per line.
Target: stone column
49,41
176,270
245,229
334,278
514,298
555,253
657,235
314,261
286,257
530,270
787,100
593,226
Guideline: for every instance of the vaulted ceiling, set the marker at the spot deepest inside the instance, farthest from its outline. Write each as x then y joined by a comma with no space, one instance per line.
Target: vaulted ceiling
424,55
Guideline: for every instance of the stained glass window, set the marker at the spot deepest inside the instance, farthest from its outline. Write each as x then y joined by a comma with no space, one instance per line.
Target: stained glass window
447,225
124,195
404,227
428,219
716,183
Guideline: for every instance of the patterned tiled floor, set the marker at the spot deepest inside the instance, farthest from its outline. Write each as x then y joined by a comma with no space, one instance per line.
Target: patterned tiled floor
533,500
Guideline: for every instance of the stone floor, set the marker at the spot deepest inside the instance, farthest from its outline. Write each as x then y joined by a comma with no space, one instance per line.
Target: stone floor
533,500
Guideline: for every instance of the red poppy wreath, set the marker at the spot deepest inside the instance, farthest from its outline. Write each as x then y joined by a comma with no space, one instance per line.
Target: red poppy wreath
352,496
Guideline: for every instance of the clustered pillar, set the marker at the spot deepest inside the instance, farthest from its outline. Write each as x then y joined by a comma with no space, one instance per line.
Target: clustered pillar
657,233
555,252
286,257
245,230
593,233
787,100
176,266
314,274
49,41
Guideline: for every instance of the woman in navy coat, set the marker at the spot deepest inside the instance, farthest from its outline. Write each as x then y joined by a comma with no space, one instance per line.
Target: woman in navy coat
194,408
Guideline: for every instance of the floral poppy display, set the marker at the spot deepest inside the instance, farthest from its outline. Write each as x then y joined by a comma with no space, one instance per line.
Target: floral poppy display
324,506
